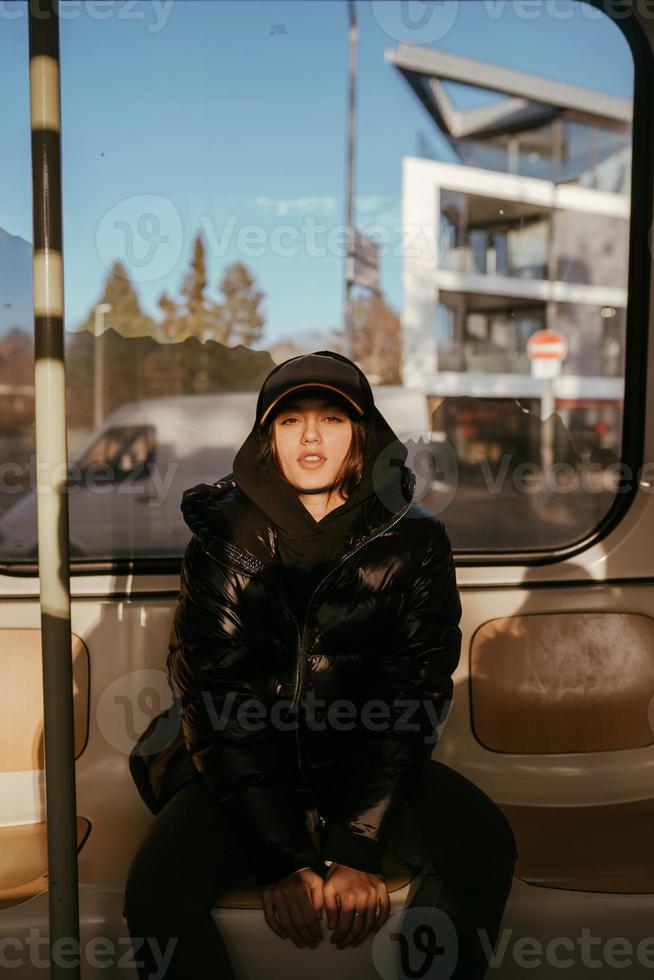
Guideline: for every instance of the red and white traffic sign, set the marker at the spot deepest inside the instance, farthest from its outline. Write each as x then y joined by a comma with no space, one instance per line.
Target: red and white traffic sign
546,349
547,344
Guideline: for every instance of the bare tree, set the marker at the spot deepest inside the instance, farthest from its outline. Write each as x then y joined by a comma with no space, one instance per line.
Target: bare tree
377,340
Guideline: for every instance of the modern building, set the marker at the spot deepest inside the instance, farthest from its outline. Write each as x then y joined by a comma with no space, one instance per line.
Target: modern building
525,227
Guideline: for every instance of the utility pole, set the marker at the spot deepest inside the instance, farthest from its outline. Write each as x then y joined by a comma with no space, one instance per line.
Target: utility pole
353,32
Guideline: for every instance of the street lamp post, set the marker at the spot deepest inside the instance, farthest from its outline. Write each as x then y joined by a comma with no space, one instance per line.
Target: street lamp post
98,363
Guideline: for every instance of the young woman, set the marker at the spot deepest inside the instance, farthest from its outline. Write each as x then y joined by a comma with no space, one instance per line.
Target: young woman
312,653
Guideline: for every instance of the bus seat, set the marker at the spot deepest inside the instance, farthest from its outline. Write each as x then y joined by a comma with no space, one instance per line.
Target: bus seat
238,914
578,684
24,860
23,830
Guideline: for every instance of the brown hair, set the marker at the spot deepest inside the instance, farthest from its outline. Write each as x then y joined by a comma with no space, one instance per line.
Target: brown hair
351,469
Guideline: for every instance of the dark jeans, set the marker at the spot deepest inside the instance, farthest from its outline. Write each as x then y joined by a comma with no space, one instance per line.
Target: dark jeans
190,854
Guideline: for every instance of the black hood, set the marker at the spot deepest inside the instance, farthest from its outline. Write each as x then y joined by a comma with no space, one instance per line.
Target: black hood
305,543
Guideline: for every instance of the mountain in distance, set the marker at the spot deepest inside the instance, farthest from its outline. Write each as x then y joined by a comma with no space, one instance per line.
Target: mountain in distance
15,283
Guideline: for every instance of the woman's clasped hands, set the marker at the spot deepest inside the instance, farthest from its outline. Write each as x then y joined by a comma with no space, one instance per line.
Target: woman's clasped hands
294,906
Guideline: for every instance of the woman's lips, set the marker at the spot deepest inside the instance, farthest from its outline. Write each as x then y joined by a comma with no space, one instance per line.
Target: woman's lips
311,464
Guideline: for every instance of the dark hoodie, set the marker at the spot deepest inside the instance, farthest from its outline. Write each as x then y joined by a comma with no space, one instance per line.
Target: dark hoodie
308,547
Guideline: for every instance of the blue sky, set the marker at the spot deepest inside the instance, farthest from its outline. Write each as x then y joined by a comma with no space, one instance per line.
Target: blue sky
222,115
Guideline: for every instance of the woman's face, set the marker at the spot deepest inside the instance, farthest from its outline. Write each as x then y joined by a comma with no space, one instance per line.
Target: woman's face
311,427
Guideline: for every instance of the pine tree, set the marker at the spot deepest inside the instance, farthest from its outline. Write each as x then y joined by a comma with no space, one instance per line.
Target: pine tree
235,321
126,316
194,315
169,323
241,321
193,290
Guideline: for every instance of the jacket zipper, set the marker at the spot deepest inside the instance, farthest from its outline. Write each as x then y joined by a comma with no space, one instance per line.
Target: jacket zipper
297,727
300,662
373,537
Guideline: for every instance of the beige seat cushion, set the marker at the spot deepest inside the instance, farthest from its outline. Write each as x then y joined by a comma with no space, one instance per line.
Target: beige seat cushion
24,860
601,848
563,682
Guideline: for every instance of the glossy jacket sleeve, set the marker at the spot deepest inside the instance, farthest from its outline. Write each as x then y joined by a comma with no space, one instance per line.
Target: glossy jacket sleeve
412,678
246,762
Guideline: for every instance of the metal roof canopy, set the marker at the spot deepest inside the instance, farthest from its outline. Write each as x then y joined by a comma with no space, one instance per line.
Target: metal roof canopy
533,99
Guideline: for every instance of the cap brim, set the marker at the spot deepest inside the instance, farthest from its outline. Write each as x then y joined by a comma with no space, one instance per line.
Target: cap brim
309,384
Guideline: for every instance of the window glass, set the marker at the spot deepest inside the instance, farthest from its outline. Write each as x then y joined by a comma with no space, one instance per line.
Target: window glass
536,150
17,444
596,156
205,201
492,236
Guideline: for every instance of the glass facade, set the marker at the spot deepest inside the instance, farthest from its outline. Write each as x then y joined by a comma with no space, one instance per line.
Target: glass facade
490,237
564,151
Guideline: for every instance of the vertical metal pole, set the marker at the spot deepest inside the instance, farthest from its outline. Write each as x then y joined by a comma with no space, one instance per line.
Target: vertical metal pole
52,498
547,401
351,132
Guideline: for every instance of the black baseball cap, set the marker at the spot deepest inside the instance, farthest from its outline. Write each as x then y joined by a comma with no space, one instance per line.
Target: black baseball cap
311,371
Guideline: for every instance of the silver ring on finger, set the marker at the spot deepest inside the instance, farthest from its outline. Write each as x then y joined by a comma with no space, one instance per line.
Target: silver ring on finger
357,914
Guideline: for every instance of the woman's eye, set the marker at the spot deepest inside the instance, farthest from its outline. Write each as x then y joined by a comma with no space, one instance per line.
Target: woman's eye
334,418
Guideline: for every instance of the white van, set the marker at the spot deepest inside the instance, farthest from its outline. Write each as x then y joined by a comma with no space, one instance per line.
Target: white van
127,479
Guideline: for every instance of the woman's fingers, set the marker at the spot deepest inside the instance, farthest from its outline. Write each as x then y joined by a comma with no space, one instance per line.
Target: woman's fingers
384,907
292,908
302,920
348,891
351,928
317,900
368,919
341,924
270,914
306,909
331,901
287,919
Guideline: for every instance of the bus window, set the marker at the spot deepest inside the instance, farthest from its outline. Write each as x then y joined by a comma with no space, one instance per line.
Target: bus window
487,275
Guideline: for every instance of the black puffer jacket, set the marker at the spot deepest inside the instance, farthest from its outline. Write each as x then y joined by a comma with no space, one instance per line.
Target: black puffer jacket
381,626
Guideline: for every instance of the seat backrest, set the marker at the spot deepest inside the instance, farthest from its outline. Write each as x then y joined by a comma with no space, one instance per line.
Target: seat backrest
563,682
22,757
